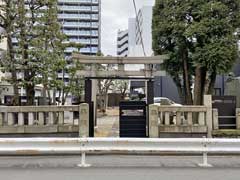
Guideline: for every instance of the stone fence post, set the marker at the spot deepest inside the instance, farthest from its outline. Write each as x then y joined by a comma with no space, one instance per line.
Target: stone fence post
209,117
83,120
215,119
238,117
153,121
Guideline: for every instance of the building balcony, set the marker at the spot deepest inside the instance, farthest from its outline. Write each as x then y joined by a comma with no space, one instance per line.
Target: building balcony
89,50
78,1
80,33
79,16
83,41
78,8
80,24
74,16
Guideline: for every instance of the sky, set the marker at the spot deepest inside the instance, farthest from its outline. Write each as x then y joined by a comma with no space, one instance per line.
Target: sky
115,14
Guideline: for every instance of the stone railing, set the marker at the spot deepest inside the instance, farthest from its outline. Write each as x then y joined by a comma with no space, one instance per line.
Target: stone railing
167,121
44,119
238,117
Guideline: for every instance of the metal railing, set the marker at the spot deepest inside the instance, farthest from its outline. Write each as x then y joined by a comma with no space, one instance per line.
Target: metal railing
57,146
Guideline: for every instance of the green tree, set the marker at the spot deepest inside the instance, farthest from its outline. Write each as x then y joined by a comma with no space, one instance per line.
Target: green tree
75,84
201,38
39,55
48,50
27,19
8,13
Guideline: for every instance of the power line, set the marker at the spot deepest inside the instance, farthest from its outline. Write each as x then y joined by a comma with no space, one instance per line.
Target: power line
138,24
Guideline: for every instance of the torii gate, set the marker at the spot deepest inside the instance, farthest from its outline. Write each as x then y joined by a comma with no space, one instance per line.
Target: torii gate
92,74
147,74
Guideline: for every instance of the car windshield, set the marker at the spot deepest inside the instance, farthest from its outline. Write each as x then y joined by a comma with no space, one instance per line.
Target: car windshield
165,102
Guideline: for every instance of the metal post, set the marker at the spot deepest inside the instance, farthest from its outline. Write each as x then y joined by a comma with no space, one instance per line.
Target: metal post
83,161
150,92
88,91
205,158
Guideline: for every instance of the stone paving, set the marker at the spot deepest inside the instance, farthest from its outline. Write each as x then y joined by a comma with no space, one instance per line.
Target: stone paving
107,126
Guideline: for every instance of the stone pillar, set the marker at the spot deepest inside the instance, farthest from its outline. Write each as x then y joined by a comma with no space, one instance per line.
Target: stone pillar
238,118
209,117
41,118
50,118
61,118
83,120
30,118
10,119
215,119
153,121
20,119
1,119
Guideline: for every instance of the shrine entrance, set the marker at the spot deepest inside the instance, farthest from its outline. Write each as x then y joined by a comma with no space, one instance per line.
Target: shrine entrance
133,119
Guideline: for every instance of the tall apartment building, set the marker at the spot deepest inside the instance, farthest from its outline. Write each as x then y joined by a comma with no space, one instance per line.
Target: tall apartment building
122,43
81,22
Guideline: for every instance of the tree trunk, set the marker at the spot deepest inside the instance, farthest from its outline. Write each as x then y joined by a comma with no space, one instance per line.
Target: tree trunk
49,97
212,79
200,79
45,89
54,97
64,96
186,78
102,103
30,91
177,82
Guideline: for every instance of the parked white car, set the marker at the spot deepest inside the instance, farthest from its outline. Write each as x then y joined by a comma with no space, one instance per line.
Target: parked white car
165,102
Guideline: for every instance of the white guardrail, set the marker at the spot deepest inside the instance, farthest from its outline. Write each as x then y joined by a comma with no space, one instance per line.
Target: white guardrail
59,146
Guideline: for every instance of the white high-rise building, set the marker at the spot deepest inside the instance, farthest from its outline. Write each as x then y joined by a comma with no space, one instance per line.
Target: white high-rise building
122,43
142,29
140,33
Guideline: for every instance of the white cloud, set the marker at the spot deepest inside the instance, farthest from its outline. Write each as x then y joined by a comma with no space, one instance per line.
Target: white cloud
115,14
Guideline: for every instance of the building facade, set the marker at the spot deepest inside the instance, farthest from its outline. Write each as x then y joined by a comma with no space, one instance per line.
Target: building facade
122,43
81,22
143,33
139,32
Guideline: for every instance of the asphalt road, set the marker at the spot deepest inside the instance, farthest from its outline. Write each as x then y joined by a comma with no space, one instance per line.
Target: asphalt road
118,168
